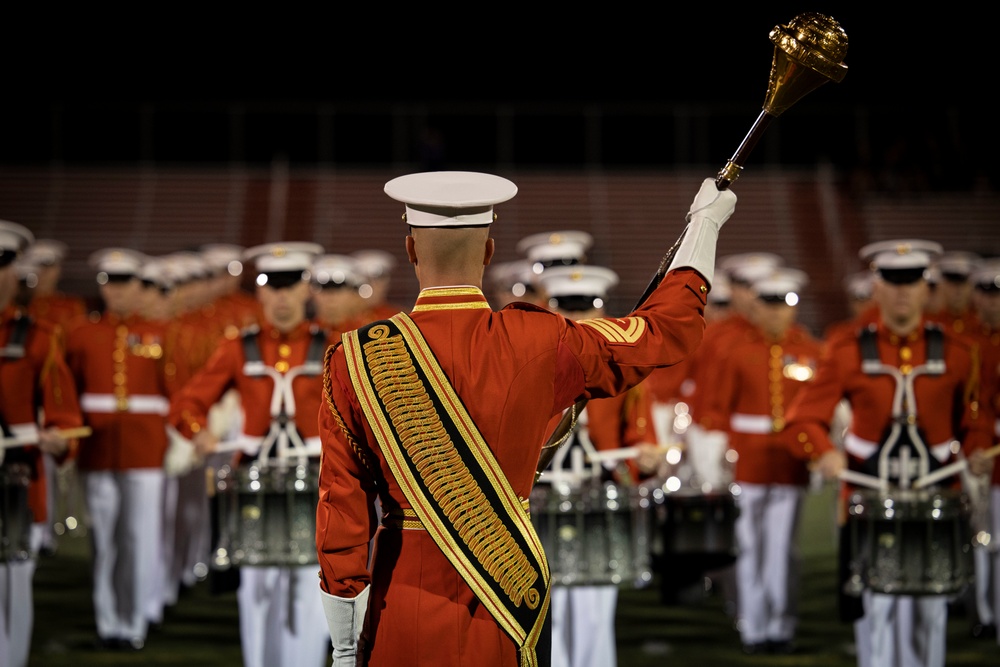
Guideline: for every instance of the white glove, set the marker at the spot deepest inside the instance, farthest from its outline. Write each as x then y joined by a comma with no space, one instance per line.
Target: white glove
709,211
346,618
181,456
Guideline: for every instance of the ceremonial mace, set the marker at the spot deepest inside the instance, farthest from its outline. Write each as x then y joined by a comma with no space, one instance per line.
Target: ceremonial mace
808,52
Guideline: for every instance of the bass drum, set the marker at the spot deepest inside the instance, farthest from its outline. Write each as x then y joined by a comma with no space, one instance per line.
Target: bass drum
910,542
594,534
266,514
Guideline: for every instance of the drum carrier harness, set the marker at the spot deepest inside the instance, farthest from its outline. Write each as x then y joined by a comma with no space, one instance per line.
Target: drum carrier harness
283,439
902,436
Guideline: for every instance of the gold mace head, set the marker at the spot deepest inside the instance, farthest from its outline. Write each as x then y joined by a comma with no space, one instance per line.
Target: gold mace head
807,53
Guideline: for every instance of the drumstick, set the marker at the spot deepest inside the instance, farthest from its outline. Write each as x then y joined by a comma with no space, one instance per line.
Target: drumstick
65,434
862,479
952,468
628,453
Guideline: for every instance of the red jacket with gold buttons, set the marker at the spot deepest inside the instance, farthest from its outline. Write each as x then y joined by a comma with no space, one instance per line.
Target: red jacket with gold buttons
759,378
117,365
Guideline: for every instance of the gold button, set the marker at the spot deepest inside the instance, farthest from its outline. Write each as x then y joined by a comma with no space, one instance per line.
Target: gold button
905,353
703,289
777,424
118,355
775,350
906,369
803,437
122,404
281,366
118,378
808,447
121,331
284,350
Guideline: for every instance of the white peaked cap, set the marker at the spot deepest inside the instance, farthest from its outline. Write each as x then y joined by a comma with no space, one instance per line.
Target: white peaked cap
46,251
374,262
338,269
220,255
750,266
987,273
958,261
118,261
14,236
859,285
578,280
900,253
781,281
292,256
568,244
450,198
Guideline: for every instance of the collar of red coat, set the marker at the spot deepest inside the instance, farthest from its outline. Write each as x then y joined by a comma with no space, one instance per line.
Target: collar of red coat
303,329
462,297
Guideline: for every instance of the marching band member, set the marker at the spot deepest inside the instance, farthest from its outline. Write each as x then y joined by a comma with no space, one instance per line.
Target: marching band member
336,281
376,266
117,364
458,576
913,391
583,616
33,379
986,305
767,365
276,369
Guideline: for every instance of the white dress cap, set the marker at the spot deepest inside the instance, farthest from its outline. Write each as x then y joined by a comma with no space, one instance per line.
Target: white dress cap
749,266
117,261
900,254
987,275
450,198
781,282
14,237
566,245
859,285
157,270
221,255
374,263
292,256
579,280
337,269
46,252
958,262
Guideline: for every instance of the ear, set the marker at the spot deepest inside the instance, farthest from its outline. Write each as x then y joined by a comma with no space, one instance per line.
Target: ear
411,252
488,253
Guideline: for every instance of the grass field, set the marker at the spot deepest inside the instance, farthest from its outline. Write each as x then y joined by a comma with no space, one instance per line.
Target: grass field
694,629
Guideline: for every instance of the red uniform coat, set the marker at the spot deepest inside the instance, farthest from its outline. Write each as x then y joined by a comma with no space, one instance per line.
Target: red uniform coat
38,380
948,406
117,365
224,370
761,377
989,342
514,370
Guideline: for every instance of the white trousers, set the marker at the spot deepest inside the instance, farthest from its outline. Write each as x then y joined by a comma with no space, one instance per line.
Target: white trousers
902,630
282,622
125,508
186,532
583,626
17,603
767,566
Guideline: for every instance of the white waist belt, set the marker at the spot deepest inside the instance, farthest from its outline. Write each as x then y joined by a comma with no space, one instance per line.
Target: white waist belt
864,449
759,424
140,404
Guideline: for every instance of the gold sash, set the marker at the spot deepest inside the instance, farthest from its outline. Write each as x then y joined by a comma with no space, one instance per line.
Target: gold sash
450,477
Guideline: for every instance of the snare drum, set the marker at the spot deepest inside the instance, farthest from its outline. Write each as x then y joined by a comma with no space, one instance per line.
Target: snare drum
15,513
910,542
594,534
695,523
266,514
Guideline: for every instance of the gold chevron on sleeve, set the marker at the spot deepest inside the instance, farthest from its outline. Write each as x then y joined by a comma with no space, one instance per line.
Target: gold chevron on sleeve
621,330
